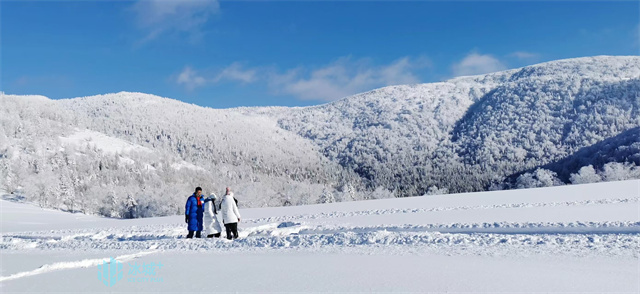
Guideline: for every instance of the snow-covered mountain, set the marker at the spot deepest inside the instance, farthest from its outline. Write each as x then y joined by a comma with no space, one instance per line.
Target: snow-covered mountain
516,128
467,133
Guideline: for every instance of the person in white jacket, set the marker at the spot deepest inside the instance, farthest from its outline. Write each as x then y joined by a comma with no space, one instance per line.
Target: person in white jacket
211,217
230,214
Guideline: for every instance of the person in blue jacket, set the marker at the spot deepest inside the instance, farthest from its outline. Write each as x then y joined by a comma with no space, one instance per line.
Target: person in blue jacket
194,213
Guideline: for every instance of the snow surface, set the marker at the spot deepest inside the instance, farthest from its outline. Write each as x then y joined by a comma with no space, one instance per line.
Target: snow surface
88,139
579,238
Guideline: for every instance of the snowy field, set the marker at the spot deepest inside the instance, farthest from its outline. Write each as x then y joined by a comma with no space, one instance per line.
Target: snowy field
580,238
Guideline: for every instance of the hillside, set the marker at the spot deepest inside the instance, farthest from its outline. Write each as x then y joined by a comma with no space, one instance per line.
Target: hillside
62,151
467,133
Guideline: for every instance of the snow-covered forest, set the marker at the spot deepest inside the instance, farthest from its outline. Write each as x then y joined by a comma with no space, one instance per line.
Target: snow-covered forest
470,133
138,155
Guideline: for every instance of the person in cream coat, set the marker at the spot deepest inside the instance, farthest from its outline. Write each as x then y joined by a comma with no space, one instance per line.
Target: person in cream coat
211,217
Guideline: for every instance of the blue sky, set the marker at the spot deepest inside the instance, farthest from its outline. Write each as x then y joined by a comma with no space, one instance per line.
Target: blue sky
290,53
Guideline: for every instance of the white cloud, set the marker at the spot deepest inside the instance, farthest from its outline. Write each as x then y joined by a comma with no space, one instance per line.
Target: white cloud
345,77
400,71
524,55
190,79
341,78
475,64
158,17
235,72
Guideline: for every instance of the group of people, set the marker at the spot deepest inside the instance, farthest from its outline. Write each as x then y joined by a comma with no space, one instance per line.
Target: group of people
200,211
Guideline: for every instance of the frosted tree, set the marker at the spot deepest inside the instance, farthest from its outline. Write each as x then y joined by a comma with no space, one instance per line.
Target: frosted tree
67,191
618,171
434,190
131,207
586,174
326,197
6,177
380,193
348,193
111,206
539,178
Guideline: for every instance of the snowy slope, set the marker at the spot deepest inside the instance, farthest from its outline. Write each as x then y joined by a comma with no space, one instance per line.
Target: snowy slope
92,139
516,241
